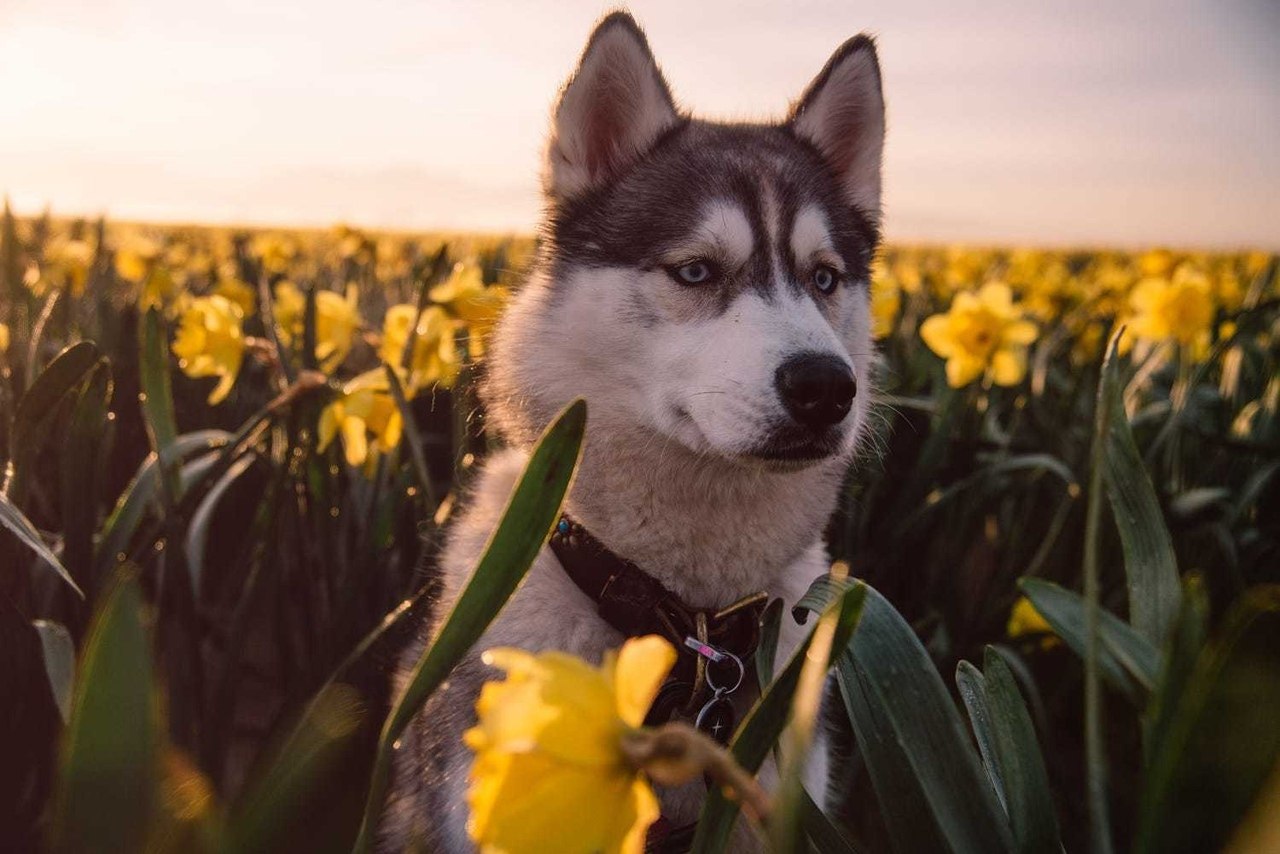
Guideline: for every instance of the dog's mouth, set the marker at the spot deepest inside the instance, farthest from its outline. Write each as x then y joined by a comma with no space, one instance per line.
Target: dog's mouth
787,447
797,449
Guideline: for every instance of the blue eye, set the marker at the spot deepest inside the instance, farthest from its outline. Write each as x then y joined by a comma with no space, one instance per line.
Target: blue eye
694,273
825,279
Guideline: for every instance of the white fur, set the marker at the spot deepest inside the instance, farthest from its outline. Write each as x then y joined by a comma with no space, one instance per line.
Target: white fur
724,235
811,239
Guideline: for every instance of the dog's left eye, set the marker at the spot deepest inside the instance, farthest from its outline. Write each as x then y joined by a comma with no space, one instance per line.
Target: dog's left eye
825,278
694,273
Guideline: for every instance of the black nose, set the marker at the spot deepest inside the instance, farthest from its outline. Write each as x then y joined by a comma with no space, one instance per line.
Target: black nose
816,388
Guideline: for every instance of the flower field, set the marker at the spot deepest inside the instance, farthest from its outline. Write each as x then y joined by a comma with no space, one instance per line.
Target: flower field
228,454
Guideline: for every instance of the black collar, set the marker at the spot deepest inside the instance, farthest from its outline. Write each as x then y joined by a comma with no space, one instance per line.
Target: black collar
635,603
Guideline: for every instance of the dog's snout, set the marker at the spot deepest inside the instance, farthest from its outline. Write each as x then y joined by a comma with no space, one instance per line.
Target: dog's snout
816,388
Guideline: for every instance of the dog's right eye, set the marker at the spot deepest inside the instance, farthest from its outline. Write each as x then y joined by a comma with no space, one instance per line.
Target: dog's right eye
694,273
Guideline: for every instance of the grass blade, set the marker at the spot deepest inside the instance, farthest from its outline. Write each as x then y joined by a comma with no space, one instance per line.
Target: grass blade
107,779
526,523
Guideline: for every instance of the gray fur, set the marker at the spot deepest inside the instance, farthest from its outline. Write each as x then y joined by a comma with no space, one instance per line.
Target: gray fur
677,473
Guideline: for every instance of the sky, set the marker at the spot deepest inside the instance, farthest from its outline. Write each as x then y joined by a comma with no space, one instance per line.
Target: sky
1118,123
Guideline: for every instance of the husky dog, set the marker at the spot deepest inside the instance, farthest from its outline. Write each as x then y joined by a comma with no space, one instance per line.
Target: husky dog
704,286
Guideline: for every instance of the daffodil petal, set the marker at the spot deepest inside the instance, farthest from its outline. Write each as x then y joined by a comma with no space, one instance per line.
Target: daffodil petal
962,370
642,664
1008,367
936,332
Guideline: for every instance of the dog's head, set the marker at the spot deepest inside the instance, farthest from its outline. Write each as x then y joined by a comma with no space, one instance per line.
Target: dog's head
703,280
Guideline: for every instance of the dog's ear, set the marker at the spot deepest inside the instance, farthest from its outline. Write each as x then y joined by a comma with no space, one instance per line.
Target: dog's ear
614,107
842,114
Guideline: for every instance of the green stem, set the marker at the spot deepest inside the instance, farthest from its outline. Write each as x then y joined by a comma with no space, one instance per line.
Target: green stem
1095,756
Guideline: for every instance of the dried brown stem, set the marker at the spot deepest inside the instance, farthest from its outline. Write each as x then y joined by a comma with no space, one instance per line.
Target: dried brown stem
676,753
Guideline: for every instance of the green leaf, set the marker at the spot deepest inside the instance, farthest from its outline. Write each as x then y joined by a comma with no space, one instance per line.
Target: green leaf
198,528
1221,743
1010,751
38,406
786,825
81,449
412,436
767,648
972,686
59,662
532,511
265,816
1126,660
157,401
912,826
107,771
758,733
1181,653
20,526
1150,566
1034,464
928,779
822,831
141,493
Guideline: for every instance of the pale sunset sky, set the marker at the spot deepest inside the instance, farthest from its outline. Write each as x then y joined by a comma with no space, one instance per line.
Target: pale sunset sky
1120,123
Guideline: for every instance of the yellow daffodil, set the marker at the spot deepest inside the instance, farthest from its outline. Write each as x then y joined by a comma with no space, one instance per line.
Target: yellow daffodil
1025,620
337,320
69,263
983,334
1156,262
367,417
238,292
549,772
1176,309
350,242
139,261
210,342
275,251
465,296
886,302
435,353
135,259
